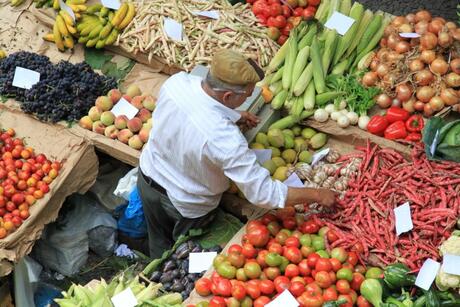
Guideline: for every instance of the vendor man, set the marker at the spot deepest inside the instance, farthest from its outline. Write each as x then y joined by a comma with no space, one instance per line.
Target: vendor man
196,146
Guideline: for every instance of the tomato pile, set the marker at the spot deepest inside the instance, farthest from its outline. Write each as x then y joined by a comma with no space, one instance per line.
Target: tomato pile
24,178
282,16
284,251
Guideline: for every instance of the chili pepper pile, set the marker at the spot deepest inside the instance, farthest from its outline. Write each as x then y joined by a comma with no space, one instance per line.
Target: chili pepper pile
397,124
386,180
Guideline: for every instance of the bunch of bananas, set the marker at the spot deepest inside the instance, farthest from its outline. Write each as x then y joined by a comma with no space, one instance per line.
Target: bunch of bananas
100,26
63,31
2,54
77,6
16,2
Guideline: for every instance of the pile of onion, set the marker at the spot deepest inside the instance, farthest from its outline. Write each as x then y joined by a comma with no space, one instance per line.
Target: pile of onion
421,74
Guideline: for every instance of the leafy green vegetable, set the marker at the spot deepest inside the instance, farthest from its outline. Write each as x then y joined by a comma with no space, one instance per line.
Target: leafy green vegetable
96,58
433,133
221,230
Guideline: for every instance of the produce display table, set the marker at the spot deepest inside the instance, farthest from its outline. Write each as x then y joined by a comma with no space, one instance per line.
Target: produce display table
78,174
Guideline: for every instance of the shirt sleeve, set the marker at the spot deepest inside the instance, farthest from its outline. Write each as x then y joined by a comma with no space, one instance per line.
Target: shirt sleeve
240,165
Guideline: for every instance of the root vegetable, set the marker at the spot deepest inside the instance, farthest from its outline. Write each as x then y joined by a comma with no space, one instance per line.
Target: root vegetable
383,101
424,77
439,66
330,108
427,110
428,56
402,47
452,79
436,103
425,93
409,105
445,39
418,106
421,27
435,26
423,15
449,96
382,70
403,92
353,117
335,115
455,66
363,121
416,65
321,115
342,105
396,103
370,78
428,41
343,121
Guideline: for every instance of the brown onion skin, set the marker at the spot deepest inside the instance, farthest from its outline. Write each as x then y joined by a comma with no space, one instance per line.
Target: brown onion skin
410,17
449,96
418,106
416,65
421,27
383,101
427,110
374,64
439,66
409,105
451,25
436,103
382,70
398,21
424,77
428,56
403,92
425,93
452,79
402,47
456,34
396,103
445,39
435,26
370,78
423,15
428,41
393,39
455,66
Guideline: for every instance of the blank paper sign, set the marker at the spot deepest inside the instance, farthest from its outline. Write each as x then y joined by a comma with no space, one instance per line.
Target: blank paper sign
199,262
209,14
111,4
125,298
285,299
25,78
123,107
339,22
263,155
451,264
294,181
173,29
409,35
67,8
403,219
427,274
319,155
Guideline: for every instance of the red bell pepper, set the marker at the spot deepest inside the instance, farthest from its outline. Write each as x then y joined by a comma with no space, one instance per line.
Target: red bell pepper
395,114
414,137
377,124
415,123
396,131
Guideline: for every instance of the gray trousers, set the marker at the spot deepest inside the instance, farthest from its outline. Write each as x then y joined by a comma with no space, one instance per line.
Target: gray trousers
164,223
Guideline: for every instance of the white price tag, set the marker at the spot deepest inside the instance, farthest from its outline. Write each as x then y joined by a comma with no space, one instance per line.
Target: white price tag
173,29
403,219
339,22
199,262
451,264
293,181
318,156
427,274
125,298
285,299
210,14
111,4
67,8
409,35
25,78
123,107
263,155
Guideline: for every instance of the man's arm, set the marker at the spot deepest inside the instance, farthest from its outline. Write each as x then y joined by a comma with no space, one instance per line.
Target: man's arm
323,197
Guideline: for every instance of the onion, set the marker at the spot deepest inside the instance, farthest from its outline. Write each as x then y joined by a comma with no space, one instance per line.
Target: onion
343,121
414,42
342,104
418,105
405,28
452,79
421,27
440,19
427,56
374,64
435,26
399,20
363,121
451,25
425,93
409,105
370,78
422,15
396,103
344,111
424,77
388,30
330,108
335,115
439,66
395,56
410,18
449,96
390,79
403,92
321,115
383,42
393,39
382,70
444,39
427,110
402,47
455,66
382,54
456,34
353,117
416,65
383,101
436,103
428,41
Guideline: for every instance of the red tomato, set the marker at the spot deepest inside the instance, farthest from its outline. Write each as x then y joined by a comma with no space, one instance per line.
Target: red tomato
267,218
286,11
238,291
336,264
354,296
273,1
281,237
352,258
253,290
308,280
275,9
298,279
248,250
292,241
271,22
253,224
282,39
313,300
358,247
262,19
330,294
293,254
362,302
332,236
333,276
280,23
348,298
272,273
343,287
314,2
347,265
357,280
323,279
288,222
297,288
298,11
291,270
235,248
310,227
261,258
267,287
308,14
224,287
217,301
261,301
275,248
304,269
282,283
313,288
258,236
312,259
203,286
323,264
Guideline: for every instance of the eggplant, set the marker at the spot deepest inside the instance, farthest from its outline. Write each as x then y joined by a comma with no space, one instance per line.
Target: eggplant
166,278
185,282
191,244
184,265
216,248
167,286
155,277
197,249
180,249
189,288
174,256
175,273
169,265
182,272
185,295
177,286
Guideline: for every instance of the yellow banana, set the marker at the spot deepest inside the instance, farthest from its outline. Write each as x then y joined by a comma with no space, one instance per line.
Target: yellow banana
105,31
92,42
68,42
56,5
2,54
67,18
83,39
120,14
75,2
112,37
95,32
71,29
94,8
61,25
129,16
100,44
104,11
49,37
89,27
102,20
58,38
111,14
74,8
16,2
82,7
77,15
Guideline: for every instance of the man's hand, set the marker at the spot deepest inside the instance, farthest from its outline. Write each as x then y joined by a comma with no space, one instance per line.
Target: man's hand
248,120
326,197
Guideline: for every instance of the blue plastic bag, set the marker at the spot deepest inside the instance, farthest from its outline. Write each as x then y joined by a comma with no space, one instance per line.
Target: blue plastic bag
132,221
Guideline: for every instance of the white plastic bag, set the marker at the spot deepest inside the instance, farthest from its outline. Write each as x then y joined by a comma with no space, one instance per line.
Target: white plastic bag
126,184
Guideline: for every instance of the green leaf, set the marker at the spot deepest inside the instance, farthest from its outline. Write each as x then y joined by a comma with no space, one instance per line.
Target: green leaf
96,58
3,99
110,69
221,230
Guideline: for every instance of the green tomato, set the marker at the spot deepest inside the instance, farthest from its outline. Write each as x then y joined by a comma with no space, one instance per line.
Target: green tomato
226,270
322,231
202,304
374,272
286,231
345,273
284,263
323,254
273,259
317,242
305,240
340,254
218,260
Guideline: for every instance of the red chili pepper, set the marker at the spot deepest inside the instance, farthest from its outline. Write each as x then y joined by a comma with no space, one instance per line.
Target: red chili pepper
395,114
377,124
415,123
414,137
396,131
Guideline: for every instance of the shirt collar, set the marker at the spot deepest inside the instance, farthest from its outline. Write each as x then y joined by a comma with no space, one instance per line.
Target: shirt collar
231,114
